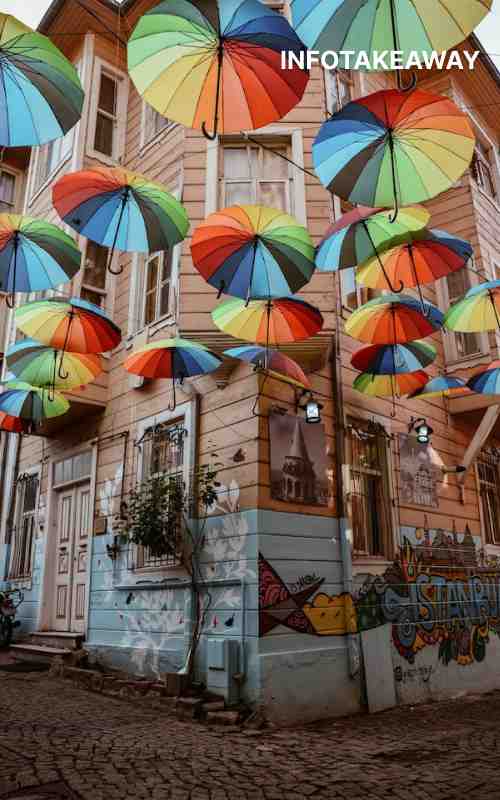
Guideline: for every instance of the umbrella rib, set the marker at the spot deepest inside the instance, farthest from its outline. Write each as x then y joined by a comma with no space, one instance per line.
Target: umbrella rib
7,68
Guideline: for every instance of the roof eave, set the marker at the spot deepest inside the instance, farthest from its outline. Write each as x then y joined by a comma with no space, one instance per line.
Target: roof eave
57,5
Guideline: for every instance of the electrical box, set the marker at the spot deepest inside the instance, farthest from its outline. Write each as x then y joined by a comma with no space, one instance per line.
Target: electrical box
223,664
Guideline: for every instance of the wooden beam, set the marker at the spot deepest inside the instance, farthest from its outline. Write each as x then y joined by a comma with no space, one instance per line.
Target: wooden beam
480,437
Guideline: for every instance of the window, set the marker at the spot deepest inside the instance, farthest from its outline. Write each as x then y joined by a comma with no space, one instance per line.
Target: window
7,191
50,157
368,456
489,492
483,169
339,88
354,295
253,175
24,533
94,274
75,468
108,113
158,272
462,345
154,123
106,119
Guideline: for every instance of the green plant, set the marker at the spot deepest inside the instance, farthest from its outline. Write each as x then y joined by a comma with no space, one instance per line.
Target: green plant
153,515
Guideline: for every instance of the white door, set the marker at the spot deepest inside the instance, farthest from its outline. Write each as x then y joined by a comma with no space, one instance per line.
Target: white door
73,523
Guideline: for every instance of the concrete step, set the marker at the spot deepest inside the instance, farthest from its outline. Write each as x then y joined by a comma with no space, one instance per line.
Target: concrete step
58,639
33,652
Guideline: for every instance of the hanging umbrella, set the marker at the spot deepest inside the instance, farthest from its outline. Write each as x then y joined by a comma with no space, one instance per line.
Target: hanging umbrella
271,322
390,385
365,232
394,149
425,257
277,364
34,255
12,424
487,381
253,252
172,358
478,311
34,363
393,319
120,209
41,97
31,403
393,359
373,26
216,65
442,386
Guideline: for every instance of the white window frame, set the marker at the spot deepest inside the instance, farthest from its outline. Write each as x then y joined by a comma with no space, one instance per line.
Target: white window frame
492,546
158,318
104,293
18,513
149,140
101,66
332,78
17,175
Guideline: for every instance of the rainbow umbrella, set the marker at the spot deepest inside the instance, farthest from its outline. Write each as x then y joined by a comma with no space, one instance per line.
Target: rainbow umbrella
253,252
478,311
31,403
277,364
120,209
172,358
394,149
41,96
366,232
393,319
425,257
12,424
216,64
394,359
390,385
34,255
487,381
34,363
442,386
272,322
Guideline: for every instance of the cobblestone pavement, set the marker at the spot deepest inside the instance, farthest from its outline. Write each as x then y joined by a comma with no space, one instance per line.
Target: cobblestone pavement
58,741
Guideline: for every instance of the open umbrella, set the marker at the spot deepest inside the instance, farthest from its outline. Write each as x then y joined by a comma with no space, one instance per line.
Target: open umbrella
390,385
253,252
478,311
12,424
41,96
34,363
394,359
394,149
34,255
442,386
216,64
120,209
271,322
425,257
172,358
393,319
487,381
276,363
31,403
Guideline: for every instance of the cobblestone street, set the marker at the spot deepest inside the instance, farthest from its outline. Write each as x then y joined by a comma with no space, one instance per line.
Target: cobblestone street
59,741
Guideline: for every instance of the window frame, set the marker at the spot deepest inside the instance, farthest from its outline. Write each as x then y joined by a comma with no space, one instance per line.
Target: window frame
480,484
162,255
451,354
103,292
252,181
149,139
19,516
14,173
100,67
333,78
484,168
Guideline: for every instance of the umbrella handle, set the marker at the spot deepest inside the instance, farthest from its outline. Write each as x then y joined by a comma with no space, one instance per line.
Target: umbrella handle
172,404
213,136
409,87
113,246
221,290
381,263
10,300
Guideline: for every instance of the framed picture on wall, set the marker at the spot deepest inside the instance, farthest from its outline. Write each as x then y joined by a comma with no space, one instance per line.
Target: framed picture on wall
298,461
419,473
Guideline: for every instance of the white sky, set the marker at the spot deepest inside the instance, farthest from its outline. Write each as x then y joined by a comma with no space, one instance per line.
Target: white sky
31,12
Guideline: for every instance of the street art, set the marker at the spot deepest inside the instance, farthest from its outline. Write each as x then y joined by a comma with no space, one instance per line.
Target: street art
440,591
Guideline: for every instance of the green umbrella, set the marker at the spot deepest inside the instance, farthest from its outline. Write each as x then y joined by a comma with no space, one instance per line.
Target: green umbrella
32,403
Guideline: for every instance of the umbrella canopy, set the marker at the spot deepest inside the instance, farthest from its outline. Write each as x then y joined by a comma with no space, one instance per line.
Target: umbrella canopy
373,26
31,403
272,322
393,319
68,324
390,385
253,252
277,364
13,424
38,365
398,359
216,65
394,149
172,358
478,311
34,255
41,97
442,386
120,209
362,233
487,381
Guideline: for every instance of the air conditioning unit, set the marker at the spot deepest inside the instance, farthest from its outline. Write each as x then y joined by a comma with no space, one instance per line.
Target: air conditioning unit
223,667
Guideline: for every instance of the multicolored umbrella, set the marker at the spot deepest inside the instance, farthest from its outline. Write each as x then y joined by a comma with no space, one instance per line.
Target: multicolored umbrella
13,424
393,319
271,322
216,64
41,97
34,363
391,359
253,252
363,233
478,311
120,209
34,255
487,381
442,386
425,257
172,358
31,403
394,149
276,363
390,385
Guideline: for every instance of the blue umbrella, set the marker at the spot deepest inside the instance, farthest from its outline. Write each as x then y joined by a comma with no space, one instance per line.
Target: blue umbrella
487,381
442,386
397,359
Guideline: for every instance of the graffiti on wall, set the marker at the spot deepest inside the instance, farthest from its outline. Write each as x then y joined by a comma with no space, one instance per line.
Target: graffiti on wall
438,592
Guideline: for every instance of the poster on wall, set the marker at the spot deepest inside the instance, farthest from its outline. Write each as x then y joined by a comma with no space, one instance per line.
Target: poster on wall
298,461
419,473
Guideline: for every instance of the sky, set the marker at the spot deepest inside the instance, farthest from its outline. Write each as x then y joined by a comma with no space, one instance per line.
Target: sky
31,12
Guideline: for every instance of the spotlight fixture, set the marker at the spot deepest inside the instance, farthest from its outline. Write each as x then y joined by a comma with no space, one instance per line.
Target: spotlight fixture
311,407
422,430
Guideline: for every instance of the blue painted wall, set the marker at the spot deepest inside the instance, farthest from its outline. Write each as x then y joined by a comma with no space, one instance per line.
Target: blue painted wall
28,611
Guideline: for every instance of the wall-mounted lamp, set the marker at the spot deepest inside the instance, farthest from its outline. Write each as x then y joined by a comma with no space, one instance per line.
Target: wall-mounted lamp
422,430
311,407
